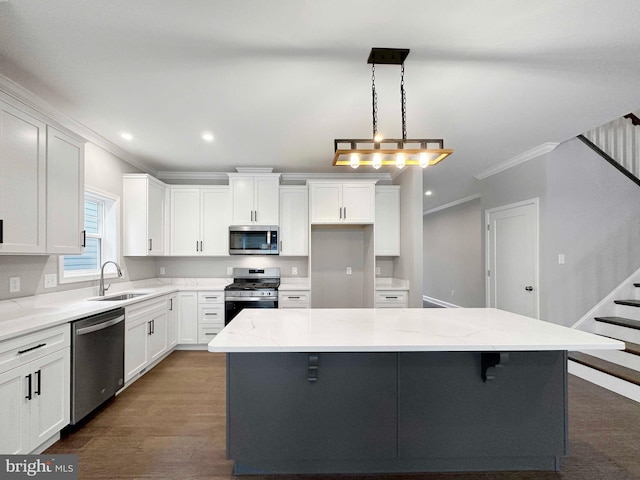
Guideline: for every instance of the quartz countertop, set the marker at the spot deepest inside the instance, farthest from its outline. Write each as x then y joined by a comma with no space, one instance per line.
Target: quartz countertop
389,283
396,330
25,315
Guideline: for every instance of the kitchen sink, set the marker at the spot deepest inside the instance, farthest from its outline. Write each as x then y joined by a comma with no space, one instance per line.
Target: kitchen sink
115,298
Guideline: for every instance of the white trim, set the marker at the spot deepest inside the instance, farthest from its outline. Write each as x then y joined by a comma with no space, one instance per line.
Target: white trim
536,248
517,160
615,294
31,100
440,303
451,204
191,176
604,380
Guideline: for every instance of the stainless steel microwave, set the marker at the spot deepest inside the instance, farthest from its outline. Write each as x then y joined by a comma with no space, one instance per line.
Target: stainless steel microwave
253,240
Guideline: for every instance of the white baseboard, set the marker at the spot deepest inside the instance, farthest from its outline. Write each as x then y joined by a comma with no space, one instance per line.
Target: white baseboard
604,380
440,303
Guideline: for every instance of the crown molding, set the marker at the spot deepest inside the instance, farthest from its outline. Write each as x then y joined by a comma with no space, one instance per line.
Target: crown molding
302,177
451,204
517,160
59,119
192,176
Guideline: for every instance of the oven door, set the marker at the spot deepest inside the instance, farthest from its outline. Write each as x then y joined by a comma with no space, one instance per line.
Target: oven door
233,306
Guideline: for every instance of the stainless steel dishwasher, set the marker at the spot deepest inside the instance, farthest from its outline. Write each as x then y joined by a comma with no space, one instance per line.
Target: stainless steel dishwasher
97,361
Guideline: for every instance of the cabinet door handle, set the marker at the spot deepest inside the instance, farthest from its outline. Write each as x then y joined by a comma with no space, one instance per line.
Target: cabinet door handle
149,328
345,213
312,367
39,378
20,352
256,215
150,244
201,247
390,298
293,298
84,238
1,231
29,395
197,246
153,327
171,304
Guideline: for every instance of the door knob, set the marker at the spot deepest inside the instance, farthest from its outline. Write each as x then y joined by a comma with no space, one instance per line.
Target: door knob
529,288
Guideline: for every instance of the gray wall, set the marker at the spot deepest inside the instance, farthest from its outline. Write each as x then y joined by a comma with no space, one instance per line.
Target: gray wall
199,267
593,217
589,211
452,260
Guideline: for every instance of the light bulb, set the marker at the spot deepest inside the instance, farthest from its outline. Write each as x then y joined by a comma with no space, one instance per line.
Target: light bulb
377,161
424,160
207,137
378,137
355,160
400,161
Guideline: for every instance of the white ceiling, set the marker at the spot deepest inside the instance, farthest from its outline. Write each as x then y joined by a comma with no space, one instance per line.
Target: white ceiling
276,81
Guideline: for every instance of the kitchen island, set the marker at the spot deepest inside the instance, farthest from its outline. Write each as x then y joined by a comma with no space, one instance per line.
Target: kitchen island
396,390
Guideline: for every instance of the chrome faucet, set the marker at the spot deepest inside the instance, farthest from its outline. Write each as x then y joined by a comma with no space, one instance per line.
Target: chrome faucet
102,287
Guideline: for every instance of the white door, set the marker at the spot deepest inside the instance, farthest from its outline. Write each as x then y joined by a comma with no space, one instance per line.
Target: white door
326,203
155,218
135,347
512,258
294,221
358,203
14,414
188,317
266,196
158,338
242,200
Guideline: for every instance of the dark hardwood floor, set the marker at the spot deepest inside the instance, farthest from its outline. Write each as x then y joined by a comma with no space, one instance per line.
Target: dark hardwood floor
170,424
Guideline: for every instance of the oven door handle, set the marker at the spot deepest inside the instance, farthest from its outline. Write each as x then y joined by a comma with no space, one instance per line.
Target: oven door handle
251,299
99,326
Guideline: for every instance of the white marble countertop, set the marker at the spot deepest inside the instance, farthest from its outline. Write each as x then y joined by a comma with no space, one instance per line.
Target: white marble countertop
389,283
24,315
396,330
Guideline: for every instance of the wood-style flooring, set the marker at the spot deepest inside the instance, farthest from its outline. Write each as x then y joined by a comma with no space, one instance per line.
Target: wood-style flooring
170,424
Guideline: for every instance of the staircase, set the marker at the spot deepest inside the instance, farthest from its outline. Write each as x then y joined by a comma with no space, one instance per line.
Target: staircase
617,370
618,142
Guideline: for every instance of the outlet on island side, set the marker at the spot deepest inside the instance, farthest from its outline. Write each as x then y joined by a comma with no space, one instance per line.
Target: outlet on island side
14,284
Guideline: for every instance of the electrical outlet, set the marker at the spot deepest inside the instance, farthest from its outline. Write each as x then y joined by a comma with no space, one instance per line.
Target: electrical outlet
453,293
294,270
561,258
14,284
50,280
348,270
378,271
162,270
229,270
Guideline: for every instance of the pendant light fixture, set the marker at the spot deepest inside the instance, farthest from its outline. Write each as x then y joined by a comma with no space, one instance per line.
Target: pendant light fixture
377,150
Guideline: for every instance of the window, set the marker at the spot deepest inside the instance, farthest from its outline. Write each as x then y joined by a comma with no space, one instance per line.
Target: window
101,226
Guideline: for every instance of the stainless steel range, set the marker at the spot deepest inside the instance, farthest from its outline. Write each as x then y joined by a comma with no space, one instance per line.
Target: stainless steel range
251,288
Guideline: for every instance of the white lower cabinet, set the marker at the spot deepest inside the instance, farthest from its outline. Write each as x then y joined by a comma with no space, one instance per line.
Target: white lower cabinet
294,299
172,320
392,299
145,335
187,317
210,315
34,389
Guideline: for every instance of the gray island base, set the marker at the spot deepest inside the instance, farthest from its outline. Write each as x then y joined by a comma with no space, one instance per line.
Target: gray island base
389,412
389,390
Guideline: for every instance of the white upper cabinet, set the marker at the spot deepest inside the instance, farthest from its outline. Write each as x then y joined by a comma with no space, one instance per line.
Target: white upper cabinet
294,220
143,215
65,193
22,182
254,198
387,226
200,221
342,202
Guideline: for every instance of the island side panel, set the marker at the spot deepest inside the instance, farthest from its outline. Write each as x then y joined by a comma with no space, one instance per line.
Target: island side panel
275,413
446,410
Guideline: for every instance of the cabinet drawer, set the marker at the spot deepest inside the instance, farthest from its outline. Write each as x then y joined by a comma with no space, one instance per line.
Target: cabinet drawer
391,299
211,315
210,297
23,349
206,333
293,299
142,309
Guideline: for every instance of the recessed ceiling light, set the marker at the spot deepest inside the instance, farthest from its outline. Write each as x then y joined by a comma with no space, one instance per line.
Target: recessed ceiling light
126,136
207,137
428,192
